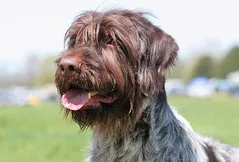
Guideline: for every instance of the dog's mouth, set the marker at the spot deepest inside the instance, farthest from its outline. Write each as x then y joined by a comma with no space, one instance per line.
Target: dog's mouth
75,99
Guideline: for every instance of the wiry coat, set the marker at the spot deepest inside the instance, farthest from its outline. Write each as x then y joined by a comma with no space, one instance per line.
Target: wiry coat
161,135
124,56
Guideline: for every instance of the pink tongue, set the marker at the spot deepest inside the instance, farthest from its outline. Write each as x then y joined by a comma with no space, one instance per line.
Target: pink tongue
74,100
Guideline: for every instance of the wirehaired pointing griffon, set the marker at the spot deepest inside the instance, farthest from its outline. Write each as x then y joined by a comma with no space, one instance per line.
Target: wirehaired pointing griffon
111,78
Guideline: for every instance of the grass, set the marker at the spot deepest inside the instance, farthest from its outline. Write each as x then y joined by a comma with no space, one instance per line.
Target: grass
216,117
41,134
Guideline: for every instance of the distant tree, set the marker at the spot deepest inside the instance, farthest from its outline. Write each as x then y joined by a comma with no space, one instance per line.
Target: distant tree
47,70
177,70
187,71
3,81
229,63
204,66
31,69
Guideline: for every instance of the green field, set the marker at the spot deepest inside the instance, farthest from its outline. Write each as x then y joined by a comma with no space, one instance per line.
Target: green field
41,134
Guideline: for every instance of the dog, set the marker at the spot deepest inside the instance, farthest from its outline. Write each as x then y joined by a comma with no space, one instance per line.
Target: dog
111,78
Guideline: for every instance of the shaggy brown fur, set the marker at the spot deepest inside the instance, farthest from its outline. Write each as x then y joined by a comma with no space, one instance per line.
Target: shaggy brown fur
132,68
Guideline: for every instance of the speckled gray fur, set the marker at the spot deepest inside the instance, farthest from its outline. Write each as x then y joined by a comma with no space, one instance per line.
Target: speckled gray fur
161,135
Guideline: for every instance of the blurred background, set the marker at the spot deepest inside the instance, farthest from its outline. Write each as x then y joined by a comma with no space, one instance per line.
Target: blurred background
204,85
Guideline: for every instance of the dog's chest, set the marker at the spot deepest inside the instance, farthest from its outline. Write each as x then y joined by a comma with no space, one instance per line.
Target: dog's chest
125,150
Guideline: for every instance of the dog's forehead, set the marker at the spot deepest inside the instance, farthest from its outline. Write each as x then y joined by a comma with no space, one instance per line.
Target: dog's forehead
104,23
114,20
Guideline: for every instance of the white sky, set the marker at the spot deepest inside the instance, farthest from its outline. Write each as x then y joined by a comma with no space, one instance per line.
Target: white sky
38,26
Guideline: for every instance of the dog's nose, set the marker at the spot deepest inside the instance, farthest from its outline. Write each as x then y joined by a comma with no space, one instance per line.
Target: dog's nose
69,64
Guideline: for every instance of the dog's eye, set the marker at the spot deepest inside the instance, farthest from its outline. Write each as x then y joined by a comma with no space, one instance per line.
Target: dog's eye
113,43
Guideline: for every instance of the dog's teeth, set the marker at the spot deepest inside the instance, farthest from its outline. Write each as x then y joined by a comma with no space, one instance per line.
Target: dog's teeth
89,96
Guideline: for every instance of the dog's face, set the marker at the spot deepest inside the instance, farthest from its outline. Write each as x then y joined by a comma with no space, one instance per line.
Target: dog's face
113,61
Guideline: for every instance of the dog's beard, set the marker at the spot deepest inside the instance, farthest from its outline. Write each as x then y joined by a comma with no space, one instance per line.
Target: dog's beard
110,111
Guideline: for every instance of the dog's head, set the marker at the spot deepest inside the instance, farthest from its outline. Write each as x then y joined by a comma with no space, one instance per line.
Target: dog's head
113,61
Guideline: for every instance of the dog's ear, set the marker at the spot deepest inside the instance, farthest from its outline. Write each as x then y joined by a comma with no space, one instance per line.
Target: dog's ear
161,51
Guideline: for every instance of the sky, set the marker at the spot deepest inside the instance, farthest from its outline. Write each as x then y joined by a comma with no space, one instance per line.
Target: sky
38,26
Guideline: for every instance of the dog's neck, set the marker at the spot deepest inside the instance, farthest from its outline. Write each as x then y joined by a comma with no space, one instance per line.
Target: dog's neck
160,133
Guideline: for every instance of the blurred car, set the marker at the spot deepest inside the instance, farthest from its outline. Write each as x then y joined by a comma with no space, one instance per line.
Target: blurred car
175,87
200,87
234,91
13,97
